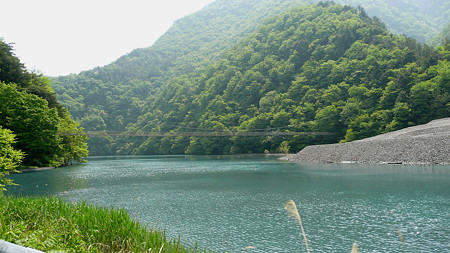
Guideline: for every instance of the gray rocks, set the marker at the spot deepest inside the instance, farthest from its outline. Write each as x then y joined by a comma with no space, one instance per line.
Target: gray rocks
424,144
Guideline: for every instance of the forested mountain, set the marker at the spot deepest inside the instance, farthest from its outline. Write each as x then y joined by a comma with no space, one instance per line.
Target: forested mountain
163,85
112,97
325,68
31,119
419,19
442,38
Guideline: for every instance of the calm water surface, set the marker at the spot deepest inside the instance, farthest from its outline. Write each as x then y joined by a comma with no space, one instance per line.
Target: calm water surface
229,203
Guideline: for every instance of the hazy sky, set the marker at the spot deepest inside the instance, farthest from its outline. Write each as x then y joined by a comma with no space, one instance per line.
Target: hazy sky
59,37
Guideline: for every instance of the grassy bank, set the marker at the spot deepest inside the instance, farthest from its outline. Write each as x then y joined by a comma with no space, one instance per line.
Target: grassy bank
51,224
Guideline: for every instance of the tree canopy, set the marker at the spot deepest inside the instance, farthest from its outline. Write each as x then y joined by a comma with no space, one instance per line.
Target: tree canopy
442,38
10,157
29,110
325,68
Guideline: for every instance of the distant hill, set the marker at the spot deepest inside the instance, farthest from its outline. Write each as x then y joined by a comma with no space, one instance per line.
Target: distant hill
442,38
419,19
122,95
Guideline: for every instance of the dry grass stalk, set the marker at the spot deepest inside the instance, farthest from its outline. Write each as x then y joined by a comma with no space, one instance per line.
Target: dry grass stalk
355,248
400,236
292,211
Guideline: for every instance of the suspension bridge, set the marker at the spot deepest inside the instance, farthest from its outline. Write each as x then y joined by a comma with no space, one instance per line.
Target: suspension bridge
194,133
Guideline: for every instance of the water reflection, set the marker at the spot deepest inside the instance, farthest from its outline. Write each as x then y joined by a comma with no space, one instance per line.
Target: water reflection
45,183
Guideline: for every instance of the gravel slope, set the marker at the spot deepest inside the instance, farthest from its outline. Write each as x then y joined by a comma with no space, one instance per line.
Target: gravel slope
423,144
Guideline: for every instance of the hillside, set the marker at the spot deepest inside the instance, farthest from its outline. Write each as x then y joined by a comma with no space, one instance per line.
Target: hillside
112,97
325,68
423,144
419,19
441,38
131,92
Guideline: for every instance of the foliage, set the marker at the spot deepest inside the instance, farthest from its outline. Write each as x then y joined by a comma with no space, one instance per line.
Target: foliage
325,68
117,96
419,19
34,123
9,157
442,38
28,107
50,224
73,147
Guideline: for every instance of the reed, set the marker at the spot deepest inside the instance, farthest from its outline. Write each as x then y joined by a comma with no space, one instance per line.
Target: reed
293,213
355,248
402,240
51,224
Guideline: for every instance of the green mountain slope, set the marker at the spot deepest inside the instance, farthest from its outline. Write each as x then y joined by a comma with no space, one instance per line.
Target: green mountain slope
113,97
326,68
442,38
419,19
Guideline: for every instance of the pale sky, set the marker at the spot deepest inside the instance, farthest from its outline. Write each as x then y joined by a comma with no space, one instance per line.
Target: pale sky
59,37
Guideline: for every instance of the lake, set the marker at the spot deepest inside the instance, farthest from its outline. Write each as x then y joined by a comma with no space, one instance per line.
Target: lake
229,203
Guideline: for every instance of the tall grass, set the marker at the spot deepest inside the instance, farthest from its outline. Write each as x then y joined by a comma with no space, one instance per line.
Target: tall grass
51,224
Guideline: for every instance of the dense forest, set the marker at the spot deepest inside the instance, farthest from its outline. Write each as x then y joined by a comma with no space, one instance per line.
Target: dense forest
326,68
419,19
442,38
323,68
32,120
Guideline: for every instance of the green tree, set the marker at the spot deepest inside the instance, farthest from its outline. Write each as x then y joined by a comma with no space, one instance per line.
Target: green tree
73,146
28,107
11,70
34,124
10,157
284,147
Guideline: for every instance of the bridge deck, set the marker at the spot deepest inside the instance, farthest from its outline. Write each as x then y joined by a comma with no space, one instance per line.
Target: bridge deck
196,134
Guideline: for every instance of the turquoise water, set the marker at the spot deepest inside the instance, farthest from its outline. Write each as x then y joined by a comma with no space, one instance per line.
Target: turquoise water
229,203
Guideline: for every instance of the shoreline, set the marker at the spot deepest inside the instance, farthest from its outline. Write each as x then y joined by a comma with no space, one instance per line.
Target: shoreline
28,170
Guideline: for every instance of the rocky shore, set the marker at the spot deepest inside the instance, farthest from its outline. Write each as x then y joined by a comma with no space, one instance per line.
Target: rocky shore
423,144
